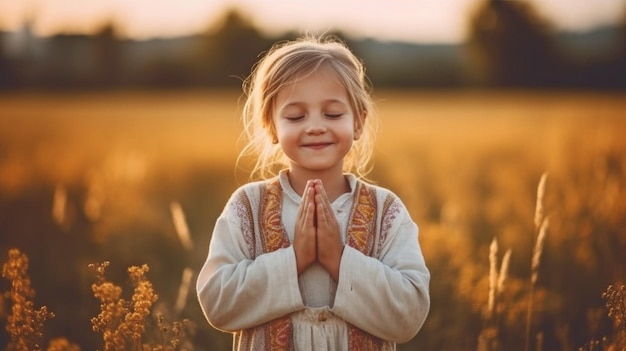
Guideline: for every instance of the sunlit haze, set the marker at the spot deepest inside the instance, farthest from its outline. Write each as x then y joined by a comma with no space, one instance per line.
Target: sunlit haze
405,20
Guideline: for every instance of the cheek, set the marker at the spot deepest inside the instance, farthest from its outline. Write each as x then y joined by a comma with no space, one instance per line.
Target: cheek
283,131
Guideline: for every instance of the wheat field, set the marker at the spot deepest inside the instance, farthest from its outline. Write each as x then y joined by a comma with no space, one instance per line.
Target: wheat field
139,177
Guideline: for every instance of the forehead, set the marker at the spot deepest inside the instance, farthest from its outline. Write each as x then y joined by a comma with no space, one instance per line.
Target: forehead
322,85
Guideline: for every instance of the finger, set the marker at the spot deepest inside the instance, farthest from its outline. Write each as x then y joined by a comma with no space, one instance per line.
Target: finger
313,206
305,200
319,188
309,207
320,211
322,199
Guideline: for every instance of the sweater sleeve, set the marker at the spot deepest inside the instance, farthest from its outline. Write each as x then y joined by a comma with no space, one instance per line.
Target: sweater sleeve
234,289
386,296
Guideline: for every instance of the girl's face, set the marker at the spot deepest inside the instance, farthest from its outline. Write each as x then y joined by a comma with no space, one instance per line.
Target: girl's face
314,123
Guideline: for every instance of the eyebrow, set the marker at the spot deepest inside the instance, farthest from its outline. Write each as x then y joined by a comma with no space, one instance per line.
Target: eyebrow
324,102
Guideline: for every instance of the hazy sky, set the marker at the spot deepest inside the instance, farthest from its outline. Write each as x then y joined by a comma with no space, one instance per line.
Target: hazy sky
408,20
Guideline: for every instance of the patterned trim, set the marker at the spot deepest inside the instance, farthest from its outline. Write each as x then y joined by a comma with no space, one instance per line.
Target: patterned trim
391,209
243,209
362,226
279,332
359,340
273,236
360,235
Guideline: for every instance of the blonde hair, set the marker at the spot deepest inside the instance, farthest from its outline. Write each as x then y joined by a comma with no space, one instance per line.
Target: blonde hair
283,64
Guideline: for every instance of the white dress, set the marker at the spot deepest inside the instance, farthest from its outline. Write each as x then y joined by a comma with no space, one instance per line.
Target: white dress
241,288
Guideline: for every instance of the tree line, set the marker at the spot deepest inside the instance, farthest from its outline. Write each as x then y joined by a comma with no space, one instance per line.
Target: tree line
509,45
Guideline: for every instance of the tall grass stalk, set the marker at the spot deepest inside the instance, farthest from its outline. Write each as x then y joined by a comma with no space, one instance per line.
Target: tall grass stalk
488,340
541,226
493,276
540,212
180,223
504,269
59,205
183,290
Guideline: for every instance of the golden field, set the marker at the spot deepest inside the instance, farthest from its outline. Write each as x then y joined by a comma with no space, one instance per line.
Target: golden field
107,176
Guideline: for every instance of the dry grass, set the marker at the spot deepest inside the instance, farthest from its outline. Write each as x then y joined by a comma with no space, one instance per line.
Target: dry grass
24,323
121,323
466,163
615,297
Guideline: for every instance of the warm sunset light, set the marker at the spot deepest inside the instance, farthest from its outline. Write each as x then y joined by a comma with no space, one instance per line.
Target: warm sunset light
498,143
416,21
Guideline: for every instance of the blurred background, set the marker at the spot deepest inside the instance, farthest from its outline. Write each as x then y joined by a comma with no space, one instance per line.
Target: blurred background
119,139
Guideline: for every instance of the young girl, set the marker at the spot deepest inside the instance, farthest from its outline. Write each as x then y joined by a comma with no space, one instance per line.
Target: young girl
313,257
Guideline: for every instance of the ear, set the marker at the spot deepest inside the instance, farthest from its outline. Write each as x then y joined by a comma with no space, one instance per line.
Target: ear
358,126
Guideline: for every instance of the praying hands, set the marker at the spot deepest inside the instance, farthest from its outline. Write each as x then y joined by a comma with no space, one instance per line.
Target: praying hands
317,237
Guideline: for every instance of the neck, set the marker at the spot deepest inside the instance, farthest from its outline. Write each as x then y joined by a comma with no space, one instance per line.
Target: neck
335,182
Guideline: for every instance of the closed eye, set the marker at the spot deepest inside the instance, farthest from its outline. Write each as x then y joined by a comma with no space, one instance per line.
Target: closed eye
334,115
294,118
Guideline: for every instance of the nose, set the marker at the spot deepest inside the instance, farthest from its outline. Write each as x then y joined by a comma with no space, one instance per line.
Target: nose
316,125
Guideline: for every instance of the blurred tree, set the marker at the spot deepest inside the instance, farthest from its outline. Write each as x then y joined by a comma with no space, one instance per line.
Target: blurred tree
234,48
6,76
621,56
510,45
108,60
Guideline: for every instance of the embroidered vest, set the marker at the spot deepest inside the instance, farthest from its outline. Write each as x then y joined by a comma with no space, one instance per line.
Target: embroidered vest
361,233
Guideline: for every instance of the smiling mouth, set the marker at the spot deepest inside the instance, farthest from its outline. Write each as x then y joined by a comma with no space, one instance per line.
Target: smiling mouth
316,146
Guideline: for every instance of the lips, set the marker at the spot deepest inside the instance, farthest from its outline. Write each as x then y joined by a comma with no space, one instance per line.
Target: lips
316,146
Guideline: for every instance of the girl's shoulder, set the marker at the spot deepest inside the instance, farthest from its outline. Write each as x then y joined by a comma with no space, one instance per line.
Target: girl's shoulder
252,186
380,191
390,205
250,191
